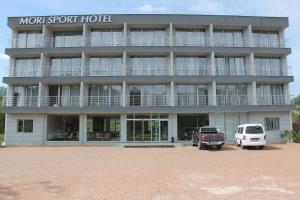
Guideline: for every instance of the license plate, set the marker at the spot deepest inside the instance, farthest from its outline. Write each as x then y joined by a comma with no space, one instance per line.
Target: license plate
213,142
254,139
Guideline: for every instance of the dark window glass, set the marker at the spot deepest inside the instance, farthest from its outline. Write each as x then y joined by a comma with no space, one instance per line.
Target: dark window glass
254,130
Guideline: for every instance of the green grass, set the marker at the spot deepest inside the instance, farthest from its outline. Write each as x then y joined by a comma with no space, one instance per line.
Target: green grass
1,138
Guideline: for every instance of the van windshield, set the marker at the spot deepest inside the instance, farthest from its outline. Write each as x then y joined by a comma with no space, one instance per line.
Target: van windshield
254,130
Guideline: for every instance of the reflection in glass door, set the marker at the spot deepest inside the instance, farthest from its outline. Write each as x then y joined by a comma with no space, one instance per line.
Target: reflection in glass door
147,130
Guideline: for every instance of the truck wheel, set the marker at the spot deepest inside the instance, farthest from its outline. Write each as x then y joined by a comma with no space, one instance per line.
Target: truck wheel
261,147
219,146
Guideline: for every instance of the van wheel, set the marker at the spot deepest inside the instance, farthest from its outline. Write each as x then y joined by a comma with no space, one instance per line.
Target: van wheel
261,147
237,144
242,146
219,146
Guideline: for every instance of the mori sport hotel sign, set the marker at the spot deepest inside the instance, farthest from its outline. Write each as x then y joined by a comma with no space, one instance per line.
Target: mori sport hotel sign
65,19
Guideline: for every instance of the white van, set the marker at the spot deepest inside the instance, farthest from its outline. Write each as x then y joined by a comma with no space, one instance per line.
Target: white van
250,135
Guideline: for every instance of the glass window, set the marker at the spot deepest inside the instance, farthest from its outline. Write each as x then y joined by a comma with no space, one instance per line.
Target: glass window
268,66
147,37
232,95
25,126
147,65
26,67
272,124
266,39
65,66
100,128
254,130
230,65
106,37
105,66
190,37
28,39
67,39
191,65
228,38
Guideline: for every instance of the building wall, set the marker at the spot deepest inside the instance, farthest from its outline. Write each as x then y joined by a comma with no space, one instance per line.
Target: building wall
34,138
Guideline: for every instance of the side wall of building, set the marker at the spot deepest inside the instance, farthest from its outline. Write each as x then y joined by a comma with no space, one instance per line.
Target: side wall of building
13,137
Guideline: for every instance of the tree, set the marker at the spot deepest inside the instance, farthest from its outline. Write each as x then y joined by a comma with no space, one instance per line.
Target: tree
297,100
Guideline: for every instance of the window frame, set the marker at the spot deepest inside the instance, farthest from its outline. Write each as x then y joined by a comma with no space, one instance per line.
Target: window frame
275,126
23,125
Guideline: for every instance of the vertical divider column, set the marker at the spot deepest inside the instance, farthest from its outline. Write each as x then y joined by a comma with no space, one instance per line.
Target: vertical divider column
211,35
252,98
85,35
125,34
172,70
214,93
252,64
249,36
124,64
124,94
212,66
171,38
172,96
45,37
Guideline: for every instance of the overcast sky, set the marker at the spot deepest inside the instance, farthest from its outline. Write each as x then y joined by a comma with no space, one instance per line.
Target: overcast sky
278,8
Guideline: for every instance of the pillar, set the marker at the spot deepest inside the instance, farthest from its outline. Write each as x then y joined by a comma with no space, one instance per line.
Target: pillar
85,36
171,38
172,127
125,34
124,94
83,129
211,35
212,67
252,69
172,67
123,119
172,95
249,40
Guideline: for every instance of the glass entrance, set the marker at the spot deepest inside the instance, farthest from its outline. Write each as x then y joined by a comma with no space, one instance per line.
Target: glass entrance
147,129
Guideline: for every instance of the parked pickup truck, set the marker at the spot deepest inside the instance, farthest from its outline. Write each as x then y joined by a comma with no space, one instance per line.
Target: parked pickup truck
210,136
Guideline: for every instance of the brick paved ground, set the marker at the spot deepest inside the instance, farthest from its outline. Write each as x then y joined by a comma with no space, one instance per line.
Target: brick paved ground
184,173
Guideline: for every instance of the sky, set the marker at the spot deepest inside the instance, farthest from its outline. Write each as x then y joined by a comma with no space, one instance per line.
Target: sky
275,8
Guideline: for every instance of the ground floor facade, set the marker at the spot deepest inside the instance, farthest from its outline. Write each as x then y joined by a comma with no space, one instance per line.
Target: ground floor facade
97,128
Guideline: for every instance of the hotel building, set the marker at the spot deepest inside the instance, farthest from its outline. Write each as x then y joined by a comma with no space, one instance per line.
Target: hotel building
94,79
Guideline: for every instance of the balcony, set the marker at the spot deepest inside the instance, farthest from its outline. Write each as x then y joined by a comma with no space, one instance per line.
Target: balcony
103,71
102,101
105,41
148,41
231,42
232,100
191,70
231,71
276,71
60,101
148,70
23,72
270,43
66,42
192,41
192,100
274,100
148,100
26,43
53,71
20,101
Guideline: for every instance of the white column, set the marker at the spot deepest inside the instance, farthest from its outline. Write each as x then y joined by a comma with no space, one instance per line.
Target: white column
46,36
252,97
12,61
13,42
83,129
172,67
85,35
172,127
40,94
125,33
282,38
252,64
124,63
83,94
124,94
214,93
9,95
83,63
45,65
249,37
45,128
172,96
123,120
211,35
286,93
212,67
171,38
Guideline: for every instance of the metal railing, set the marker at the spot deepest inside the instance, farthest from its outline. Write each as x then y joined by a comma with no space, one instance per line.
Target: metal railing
103,71
62,71
76,41
192,100
102,101
190,41
273,71
26,43
231,70
60,101
191,70
148,100
79,41
148,41
231,42
274,100
20,101
148,70
23,71
232,100
105,41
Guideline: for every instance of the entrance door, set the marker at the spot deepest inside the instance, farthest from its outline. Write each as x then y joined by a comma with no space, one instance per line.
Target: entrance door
155,130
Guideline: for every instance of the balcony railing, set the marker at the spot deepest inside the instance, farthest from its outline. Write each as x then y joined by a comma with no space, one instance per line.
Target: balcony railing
26,43
148,100
190,41
232,100
103,71
191,70
231,42
78,41
23,72
274,100
106,41
231,71
20,101
148,41
148,70
274,71
66,42
62,71
102,101
60,101
192,100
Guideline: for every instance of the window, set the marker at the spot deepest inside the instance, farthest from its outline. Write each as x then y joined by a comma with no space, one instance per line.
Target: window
25,126
254,130
28,39
272,124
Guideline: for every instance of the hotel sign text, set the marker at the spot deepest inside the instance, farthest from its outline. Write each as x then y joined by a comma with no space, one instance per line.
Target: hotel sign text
66,19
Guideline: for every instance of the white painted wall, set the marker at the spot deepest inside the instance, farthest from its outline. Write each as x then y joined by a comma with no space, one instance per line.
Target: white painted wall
284,120
34,138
